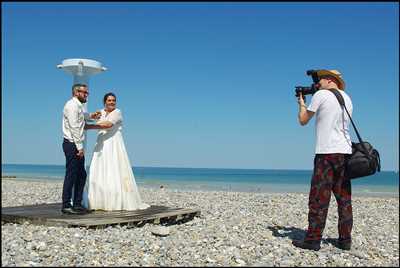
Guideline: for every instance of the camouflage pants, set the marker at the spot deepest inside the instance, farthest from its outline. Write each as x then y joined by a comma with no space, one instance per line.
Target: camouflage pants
329,176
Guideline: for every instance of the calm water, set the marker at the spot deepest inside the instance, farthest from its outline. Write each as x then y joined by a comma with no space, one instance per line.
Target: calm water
385,183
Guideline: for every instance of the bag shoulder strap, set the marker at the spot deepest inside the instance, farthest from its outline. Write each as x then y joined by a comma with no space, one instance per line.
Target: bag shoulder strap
340,99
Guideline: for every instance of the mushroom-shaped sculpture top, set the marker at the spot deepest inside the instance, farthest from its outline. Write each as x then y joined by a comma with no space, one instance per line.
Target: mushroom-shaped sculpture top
81,69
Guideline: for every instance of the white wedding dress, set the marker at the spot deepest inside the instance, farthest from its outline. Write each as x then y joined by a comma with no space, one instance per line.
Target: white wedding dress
111,184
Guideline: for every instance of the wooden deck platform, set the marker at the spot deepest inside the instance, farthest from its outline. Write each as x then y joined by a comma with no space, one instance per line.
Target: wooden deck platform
50,215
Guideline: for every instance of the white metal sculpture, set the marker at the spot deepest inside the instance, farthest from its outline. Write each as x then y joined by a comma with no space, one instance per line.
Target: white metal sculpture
82,69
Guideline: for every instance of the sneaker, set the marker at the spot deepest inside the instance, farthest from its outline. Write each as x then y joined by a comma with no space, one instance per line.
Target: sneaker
307,245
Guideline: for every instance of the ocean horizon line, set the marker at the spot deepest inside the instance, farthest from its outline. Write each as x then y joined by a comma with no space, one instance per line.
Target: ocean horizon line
61,165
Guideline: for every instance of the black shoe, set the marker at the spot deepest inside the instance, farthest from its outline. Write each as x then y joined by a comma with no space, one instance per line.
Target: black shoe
80,210
344,244
68,210
307,245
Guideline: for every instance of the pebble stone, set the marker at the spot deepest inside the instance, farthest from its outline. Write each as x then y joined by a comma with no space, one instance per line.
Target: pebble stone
234,229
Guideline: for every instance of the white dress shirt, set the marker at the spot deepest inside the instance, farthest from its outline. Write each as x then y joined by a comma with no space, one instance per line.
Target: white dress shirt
73,122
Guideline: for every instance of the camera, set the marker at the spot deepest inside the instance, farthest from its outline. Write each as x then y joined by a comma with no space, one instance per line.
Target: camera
311,89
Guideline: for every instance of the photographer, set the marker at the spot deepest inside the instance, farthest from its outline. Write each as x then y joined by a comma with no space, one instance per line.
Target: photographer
333,145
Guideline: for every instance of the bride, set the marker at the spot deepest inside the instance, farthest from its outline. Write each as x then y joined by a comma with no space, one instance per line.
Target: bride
111,184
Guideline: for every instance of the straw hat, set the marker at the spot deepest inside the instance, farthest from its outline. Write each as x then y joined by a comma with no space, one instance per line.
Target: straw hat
335,74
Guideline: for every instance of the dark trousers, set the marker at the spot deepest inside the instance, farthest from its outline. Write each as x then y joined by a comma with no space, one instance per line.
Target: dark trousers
328,176
75,175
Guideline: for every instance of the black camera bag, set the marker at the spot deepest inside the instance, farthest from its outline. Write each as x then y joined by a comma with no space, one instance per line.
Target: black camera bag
364,159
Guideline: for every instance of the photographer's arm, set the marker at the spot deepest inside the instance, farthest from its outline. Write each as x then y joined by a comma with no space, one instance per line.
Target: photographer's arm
304,115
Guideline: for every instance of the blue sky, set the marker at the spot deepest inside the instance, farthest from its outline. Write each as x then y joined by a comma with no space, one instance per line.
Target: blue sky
199,84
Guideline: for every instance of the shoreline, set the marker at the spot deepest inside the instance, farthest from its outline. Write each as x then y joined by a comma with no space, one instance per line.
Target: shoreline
233,229
204,187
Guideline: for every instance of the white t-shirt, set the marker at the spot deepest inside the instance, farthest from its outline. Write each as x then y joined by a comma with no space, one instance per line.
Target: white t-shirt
332,122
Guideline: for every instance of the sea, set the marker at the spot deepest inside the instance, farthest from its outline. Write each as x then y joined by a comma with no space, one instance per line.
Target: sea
381,184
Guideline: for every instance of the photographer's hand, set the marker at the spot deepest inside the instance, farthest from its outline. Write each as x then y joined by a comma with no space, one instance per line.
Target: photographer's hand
304,115
300,101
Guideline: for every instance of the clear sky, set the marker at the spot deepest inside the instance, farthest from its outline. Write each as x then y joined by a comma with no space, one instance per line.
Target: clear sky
199,84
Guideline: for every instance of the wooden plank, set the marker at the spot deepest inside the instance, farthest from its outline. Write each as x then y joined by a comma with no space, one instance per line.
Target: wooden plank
127,218
50,214
57,207
123,218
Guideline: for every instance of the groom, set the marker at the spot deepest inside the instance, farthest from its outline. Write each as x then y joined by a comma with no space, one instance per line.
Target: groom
73,124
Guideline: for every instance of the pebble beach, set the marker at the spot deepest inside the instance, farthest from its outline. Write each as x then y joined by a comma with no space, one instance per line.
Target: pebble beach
234,229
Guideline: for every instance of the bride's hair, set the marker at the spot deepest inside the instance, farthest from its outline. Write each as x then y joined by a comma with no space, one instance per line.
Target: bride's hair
107,95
